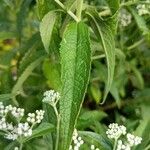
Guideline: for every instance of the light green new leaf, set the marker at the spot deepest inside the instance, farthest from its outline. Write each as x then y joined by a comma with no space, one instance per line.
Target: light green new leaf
75,64
46,28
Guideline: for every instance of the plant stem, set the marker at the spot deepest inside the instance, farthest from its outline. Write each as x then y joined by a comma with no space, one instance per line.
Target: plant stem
79,9
136,44
115,144
21,146
68,11
58,124
98,56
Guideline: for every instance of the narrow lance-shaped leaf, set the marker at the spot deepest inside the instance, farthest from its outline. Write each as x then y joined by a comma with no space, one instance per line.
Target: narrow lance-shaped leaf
104,30
46,28
75,64
18,86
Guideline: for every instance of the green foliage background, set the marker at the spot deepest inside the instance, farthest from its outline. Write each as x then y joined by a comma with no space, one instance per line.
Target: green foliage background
30,65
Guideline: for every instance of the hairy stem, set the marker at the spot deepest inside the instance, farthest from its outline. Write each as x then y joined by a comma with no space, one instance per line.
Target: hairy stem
21,146
115,144
68,11
79,9
58,124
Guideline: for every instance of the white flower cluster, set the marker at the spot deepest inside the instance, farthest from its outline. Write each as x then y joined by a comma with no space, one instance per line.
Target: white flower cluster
22,129
35,117
16,112
51,97
93,147
125,18
144,9
115,131
133,140
14,131
77,141
122,146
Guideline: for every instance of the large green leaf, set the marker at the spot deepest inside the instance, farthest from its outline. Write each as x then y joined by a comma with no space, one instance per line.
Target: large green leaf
46,28
104,29
75,64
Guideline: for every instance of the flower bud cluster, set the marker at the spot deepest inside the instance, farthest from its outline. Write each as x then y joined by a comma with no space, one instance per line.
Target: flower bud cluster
125,18
35,117
144,9
22,129
16,112
133,140
122,146
77,141
51,97
115,131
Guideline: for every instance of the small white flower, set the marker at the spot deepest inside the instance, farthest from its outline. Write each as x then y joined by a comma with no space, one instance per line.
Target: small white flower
51,97
77,141
23,129
16,148
122,146
17,112
35,117
133,140
143,9
11,136
115,131
92,147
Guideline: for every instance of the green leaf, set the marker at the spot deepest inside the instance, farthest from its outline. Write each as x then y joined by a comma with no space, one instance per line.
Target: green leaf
75,64
44,6
115,93
105,29
4,97
114,5
137,78
43,129
46,28
96,139
96,93
7,35
51,71
21,15
69,3
89,117
141,23
18,86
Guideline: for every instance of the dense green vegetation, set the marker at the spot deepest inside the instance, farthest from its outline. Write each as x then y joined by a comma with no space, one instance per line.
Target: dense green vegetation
94,53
